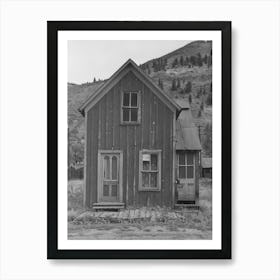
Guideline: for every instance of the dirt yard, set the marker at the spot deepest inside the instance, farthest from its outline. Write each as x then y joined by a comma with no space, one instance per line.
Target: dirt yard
179,224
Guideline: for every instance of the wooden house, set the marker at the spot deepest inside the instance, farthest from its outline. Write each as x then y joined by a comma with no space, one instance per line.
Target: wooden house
141,146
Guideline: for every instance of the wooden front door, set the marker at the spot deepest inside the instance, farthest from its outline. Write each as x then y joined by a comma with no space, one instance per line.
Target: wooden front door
110,176
186,176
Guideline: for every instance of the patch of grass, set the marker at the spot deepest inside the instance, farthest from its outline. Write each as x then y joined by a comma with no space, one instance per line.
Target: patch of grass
75,199
72,214
75,195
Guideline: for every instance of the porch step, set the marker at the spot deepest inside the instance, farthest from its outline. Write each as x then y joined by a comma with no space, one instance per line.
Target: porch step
187,206
107,206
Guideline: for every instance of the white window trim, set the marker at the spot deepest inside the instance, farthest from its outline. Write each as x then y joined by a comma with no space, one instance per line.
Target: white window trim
138,108
186,166
140,188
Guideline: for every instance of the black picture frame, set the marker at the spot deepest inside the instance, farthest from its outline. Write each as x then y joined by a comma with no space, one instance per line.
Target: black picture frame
52,137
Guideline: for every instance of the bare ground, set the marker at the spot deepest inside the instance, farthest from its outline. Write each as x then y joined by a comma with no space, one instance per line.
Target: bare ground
195,225
136,231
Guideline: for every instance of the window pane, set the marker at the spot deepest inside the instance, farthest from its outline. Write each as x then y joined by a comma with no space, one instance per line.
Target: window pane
114,168
146,161
133,99
106,167
181,159
126,99
145,180
114,190
134,113
190,159
154,159
146,165
182,172
125,115
153,180
106,190
190,172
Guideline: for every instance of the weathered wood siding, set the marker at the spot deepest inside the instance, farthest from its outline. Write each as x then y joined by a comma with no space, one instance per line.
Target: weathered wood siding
105,131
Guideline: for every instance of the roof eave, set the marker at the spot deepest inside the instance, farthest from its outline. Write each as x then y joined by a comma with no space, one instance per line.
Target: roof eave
86,104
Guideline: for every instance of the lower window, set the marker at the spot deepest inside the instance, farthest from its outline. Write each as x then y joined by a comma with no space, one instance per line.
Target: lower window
150,170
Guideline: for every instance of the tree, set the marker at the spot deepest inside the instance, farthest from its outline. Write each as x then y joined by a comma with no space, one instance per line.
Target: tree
187,61
173,86
160,84
190,98
208,100
199,113
198,94
76,153
193,60
209,62
94,80
199,59
178,83
202,106
205,59
175,62
207,139
181,60
188,87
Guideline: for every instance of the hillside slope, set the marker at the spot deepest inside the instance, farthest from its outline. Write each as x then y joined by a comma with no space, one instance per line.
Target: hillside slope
184,73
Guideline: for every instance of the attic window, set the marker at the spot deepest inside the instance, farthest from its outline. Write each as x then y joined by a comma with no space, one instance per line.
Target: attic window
130,113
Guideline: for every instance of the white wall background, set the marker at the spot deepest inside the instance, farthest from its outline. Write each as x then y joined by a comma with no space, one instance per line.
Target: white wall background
255,151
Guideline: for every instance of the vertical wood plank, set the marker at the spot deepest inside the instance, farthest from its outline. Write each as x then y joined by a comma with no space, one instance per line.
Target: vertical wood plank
94,154
103,122
134,165
174,167
110,134
127,165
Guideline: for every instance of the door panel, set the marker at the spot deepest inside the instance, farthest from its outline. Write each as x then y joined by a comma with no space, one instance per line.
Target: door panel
186,176
110,168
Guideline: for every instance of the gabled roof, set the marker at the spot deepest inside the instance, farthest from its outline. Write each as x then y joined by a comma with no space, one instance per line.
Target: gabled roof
206,162
130,65
186,132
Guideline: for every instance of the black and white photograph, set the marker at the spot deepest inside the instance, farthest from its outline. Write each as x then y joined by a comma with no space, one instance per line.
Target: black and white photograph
140,139
139,163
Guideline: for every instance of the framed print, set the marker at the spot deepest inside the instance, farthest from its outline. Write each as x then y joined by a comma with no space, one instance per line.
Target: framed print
139,140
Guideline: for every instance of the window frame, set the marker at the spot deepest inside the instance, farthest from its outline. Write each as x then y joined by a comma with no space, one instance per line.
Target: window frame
158,171
186,165
131,107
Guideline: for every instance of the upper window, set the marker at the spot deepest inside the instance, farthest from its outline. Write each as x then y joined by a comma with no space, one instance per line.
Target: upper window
186,165
150,170
130,113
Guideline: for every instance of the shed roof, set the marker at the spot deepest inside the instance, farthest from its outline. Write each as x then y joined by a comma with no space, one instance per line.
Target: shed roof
186,132
128,66
206,162
183,103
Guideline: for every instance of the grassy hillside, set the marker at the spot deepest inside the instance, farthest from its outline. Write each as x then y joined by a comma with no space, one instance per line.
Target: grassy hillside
191,49
184,73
